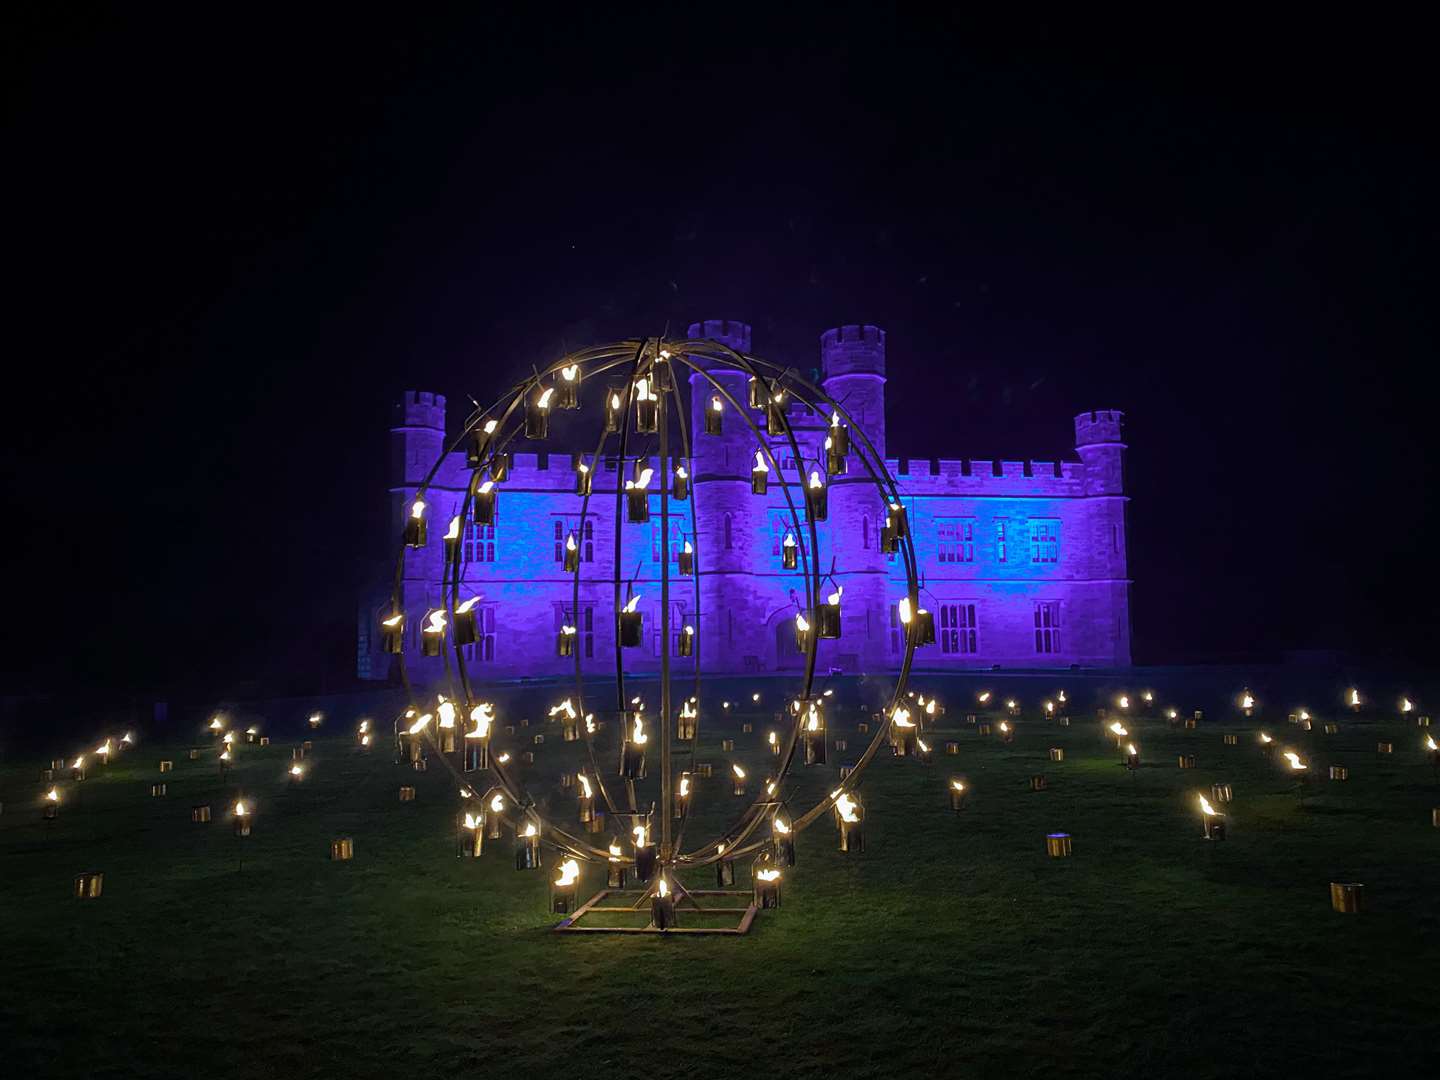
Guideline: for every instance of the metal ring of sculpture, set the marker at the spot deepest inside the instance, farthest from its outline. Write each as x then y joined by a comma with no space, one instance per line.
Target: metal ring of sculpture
651,387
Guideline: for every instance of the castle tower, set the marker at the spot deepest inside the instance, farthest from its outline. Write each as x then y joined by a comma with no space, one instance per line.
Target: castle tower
728,515
416,443
852,359
1098,442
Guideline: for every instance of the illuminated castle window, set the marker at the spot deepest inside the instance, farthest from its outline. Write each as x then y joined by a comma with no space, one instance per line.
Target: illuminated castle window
1044,540
480,542
585,628
563,528
483,650
957,539
1047,626
1000,552
677,540
958,630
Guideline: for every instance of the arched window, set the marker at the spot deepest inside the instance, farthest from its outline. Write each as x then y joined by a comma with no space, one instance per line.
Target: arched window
729,533
865,531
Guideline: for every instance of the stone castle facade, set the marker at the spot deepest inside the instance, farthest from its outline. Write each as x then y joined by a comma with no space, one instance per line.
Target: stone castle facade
1023,562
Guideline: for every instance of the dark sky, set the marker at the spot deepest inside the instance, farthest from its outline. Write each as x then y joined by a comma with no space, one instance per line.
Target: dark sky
235,235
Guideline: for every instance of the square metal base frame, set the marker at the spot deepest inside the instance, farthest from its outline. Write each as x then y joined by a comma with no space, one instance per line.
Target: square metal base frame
703,902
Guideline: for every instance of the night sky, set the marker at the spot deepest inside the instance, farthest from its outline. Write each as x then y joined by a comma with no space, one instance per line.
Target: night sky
231,245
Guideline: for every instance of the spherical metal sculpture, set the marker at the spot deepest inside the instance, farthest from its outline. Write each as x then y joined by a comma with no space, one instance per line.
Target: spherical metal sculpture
642,399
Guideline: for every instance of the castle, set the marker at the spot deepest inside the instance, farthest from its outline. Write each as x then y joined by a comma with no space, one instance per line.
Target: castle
1023,563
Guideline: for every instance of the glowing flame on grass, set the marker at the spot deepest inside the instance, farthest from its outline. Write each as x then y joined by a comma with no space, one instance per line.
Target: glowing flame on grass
1130,750
1118,730
738,771
767,875
957,785
127,739
1265,740
103,750
755,696
983,696
569,874
1406,705
365,740
1004,728
297,771
1247,700
225,754
217,724
586,791
79,762
53,795
662,888
1294,759
241,809
1207,809
1124,701
1430,743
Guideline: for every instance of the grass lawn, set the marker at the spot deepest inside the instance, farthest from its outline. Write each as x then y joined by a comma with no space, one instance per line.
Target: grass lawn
953,946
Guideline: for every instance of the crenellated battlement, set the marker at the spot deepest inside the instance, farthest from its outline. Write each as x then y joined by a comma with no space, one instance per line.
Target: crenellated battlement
726,331
852,350
420,408
1099,426
980,477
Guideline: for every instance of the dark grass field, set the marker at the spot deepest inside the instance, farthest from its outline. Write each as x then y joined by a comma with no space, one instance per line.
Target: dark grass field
953,946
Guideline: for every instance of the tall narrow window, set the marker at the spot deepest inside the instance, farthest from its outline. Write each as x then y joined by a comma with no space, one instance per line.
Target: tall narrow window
1047,626
483,649
729,532
677,539
1000,552
958,630
1044,540
897,631
1115,539
865,532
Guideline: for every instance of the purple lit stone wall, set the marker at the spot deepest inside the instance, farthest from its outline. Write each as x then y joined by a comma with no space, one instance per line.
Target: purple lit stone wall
1023,563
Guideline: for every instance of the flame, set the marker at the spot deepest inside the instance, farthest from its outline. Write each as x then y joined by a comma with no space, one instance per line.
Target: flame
1049,706
1119,729
1294,759
392,621
815,482
789,540
957,785
847,807
1172,714
716,405
483,716
924,746
834,418
53,795
983,696
630,604
1246,700
216,724
642,483
1060,697
567,707
437,622
1130,749
420,724
780,825
104,749
487,487
738,771
639,738
615,853
1430,743
446,710
640,832
252,730
228,740
128,738
1354,697
503,758
901,717
466,793
241,809
772,738
472,821
79,762
662,888
1406,705
687,630
767,875
681,473
490,426
903,609
543,401
224,755
581,467
417,510
812,722
760,465
1009,704
684,787
689,548
834,598
296,770
1207,809
569,373
615,400
365,740
801,623
453,533
755,696
568,631
1124,702
589,723
586,791
530,829
1004,726
930,707
569,874
1266,739
497,804
1303,715
642,389
1147,696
